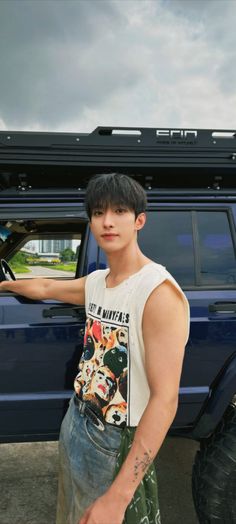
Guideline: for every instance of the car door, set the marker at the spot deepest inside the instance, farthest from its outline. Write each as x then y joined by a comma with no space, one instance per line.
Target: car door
197,245
40,346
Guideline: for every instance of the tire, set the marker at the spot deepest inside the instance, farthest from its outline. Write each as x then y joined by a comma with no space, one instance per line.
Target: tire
214,474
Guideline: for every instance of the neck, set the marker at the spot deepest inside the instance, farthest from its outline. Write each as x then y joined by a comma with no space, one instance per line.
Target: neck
127,262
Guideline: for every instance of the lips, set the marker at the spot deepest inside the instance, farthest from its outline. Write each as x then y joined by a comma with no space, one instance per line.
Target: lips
109,235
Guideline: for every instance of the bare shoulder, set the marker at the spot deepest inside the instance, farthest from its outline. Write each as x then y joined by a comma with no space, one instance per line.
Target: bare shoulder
165,308
165,330
165,296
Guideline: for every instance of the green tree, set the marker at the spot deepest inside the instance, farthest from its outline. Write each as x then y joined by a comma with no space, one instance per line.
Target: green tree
19,258
67,255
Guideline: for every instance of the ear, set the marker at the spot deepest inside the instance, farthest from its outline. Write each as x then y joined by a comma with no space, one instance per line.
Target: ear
140,221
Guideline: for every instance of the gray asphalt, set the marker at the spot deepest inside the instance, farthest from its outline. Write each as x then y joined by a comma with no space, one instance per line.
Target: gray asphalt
43,271
28,482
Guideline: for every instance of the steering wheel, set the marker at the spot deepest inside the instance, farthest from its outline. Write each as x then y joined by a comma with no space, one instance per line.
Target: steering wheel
6,271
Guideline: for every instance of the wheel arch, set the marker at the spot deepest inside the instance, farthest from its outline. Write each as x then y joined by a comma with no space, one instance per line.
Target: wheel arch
223,393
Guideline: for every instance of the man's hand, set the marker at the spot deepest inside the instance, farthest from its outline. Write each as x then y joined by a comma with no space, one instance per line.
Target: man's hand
105,510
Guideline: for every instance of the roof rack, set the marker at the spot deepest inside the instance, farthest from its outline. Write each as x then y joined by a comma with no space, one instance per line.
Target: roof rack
157,157
123,136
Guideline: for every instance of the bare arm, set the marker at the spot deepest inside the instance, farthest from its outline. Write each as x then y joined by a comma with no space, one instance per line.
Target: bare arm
164,332
70,291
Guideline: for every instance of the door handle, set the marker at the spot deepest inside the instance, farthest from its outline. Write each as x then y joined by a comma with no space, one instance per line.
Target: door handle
223,307
63,312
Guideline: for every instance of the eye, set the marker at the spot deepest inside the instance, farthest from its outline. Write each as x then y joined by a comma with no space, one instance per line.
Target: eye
120,210
97,212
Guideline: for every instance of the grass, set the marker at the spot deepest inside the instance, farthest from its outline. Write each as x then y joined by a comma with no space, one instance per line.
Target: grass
65,267
19,268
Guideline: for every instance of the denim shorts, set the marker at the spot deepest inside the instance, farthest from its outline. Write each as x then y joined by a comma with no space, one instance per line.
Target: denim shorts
87,459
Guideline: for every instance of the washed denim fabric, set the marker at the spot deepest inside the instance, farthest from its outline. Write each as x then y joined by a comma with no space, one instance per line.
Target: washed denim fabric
87,460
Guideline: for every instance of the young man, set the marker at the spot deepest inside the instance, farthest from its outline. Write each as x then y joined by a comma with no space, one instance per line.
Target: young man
128,378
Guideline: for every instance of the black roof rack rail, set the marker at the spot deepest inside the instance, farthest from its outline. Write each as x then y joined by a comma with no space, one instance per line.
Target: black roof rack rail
122,136
172,157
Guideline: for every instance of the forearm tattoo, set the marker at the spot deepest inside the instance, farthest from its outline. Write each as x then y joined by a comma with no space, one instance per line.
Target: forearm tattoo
142,464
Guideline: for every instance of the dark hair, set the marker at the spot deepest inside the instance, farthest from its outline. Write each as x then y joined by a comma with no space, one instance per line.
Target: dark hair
114,189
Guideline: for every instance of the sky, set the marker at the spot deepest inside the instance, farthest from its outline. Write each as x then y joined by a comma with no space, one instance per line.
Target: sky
73,65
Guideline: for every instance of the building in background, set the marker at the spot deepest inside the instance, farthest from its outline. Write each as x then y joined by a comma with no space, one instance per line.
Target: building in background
49,248
54,246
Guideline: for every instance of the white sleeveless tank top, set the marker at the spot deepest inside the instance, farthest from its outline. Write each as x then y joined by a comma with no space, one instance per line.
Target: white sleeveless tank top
112,376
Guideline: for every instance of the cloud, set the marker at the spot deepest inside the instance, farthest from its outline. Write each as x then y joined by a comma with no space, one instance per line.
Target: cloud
50,68
72,65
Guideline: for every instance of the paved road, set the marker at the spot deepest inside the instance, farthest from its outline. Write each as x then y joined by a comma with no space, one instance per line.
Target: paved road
28,482
41,271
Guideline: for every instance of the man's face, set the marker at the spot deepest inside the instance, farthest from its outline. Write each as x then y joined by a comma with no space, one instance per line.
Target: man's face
115,227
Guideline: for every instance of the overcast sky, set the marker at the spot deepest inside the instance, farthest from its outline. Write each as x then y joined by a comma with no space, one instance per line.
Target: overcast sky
75,64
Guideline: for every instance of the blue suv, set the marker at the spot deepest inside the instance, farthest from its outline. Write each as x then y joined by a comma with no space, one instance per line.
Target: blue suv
190,179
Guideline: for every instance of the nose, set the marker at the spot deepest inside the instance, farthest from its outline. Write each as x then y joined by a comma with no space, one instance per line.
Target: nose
108,219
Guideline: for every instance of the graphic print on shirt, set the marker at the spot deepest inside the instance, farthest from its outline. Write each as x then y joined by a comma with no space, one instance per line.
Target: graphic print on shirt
102,377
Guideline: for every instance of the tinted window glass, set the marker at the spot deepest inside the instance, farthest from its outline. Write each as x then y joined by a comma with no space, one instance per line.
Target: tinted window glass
218,261
167,239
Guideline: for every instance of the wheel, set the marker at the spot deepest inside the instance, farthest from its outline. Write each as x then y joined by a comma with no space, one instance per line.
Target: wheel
6,270
214,474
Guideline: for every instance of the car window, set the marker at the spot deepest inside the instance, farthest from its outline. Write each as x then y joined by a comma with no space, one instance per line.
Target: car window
45,247
217,255
195,246
168,240
46,256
